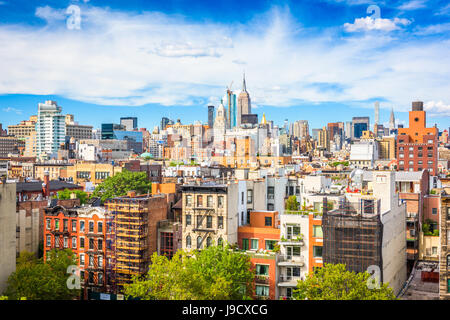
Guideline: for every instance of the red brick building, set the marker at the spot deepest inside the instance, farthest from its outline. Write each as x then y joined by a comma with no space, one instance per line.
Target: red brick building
417,146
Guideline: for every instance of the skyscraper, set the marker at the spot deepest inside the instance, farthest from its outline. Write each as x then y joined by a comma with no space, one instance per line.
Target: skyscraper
392,120
244,103
50,128
130,123
210,116
359,124
164,123
377,112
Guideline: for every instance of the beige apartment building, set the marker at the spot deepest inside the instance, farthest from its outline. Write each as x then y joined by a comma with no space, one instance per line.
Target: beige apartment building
210,215
91,171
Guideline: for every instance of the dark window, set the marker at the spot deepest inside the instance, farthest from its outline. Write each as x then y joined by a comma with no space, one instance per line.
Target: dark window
188,220
245,244
268,221
91,226
81,242
209,222
220,222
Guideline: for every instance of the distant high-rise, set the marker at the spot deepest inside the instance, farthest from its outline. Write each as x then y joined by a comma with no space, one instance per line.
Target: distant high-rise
392,120
130,123
164,123
377,112
50,128
359,124
244,103
233,116
210,116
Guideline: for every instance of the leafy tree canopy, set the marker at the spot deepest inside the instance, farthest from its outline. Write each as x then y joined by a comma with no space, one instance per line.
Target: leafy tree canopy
80,194
36,280
292,203
334,282
121,183
214,273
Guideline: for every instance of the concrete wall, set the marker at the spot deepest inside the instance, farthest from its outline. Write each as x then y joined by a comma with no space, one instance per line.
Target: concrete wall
7,232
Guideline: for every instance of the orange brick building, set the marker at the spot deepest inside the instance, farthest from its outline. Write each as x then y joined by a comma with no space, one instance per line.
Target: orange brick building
259,238
417,146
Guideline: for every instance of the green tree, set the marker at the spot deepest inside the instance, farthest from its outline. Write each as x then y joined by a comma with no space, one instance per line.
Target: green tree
36,280
80,194
292,203
214,273
334,282
121,183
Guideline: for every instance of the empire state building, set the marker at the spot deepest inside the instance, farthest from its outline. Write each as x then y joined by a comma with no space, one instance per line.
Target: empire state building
243,104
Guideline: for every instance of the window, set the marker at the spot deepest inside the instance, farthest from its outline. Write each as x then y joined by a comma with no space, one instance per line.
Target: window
188,242
220,222
270,207
317,251
244,244
91,277
430,141
209,201
100,278
49,240
74,243
82,259
220,201
199,201
401,155
430,162
74,226
249,196
242,197
188,200
48,223
208,242
317,231
262,270
100,244
199,242
91,226
411,162
82,226
91,261
188,220
66,242
434,211
270,192
292,231
411,148
401,162
268,221
434,250
262,291
100,227
209,221
270,244
199,221
100,261
101,175
56,224
254,244
91,244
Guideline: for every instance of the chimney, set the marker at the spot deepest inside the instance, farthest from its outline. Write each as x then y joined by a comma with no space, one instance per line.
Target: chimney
46,185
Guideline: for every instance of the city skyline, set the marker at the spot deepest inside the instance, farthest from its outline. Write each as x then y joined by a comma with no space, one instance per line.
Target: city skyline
177,72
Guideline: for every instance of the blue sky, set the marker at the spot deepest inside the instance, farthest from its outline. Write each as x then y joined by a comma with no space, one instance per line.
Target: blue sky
323,61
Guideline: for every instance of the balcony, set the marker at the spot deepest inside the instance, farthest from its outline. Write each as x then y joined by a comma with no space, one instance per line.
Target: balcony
261,279
291,260
288,281
292,241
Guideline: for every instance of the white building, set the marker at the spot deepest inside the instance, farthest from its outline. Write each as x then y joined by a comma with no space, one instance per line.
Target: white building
50,129
363,154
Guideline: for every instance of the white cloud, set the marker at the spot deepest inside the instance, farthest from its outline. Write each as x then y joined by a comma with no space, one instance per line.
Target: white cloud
433,29
413,5
11,109
139,58
444,11
437,109
368,24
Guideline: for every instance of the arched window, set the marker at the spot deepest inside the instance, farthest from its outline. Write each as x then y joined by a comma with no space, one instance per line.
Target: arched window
220,242
199,242
208,242
188,241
